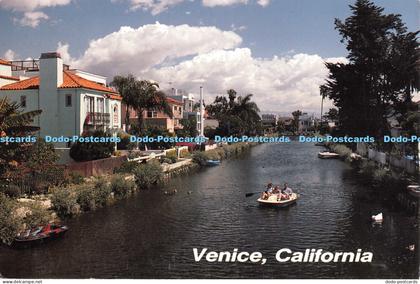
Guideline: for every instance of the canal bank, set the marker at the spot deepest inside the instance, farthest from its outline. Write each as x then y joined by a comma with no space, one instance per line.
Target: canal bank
152,235
93,193
391,183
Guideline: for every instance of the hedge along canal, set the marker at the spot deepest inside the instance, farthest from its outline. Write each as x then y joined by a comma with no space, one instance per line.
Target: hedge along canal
390,183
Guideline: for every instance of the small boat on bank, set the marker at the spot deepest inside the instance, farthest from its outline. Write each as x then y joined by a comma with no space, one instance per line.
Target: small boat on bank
274,201
414,190
328,155
39,235
213,163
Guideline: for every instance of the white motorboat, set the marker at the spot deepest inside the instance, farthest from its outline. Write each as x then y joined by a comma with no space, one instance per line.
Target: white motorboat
328,155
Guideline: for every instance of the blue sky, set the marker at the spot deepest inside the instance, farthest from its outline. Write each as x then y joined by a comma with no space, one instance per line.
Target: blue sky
283,28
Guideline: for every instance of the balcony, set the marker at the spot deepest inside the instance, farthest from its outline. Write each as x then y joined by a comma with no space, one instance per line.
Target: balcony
97,119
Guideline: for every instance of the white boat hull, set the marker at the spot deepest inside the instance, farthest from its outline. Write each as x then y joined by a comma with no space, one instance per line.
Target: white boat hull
328,155
273,201
414,190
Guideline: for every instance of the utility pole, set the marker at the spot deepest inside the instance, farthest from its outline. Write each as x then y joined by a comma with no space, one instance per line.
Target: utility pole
201,112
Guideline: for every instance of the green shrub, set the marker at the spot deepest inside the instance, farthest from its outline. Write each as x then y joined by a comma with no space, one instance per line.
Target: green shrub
86,198
12,190
342,150
9,224
200,158
127,167
76,178
148,174
64,201
121,187
38,215
172,156
125,143
101,191
166,160
81,151
380,175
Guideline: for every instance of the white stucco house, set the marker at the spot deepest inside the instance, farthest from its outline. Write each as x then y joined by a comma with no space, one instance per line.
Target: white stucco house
72,101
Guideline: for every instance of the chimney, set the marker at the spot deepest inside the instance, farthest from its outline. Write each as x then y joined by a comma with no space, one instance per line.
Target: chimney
51,69
51,77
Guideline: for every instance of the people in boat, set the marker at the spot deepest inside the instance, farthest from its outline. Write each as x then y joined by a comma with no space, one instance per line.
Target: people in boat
286,192
276,190
265,195
287,189
269,188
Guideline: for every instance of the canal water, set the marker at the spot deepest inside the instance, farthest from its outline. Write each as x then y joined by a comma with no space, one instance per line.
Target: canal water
152,235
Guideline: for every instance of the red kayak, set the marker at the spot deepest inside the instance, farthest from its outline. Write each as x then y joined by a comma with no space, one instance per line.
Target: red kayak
39,235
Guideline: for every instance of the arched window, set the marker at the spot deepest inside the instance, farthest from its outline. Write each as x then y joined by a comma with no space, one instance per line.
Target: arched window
115,116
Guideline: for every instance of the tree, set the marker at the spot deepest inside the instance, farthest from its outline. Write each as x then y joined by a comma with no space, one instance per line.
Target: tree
381,74
14,123
189,127
148,97
237,115
41,168
281,126
88,151
296,116
332,114
126,86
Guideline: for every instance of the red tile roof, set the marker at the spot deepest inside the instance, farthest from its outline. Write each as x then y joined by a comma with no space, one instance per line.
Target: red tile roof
114,97
27,84
70,80
4,62
171,100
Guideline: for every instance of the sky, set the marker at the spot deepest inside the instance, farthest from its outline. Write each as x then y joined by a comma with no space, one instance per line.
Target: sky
273,49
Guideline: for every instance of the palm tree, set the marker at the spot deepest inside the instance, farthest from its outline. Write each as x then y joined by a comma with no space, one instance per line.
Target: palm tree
126,86
148,97
247,111
236,114
296,115
14,121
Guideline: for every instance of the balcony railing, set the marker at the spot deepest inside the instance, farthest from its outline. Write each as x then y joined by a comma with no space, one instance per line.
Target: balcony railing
97,118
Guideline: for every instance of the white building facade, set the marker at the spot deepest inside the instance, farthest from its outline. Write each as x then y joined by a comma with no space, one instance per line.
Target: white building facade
71,101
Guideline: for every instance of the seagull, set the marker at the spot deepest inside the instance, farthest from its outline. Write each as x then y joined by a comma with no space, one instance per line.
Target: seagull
377,218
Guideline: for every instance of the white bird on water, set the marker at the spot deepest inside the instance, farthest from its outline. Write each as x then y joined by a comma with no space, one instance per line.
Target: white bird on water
378,217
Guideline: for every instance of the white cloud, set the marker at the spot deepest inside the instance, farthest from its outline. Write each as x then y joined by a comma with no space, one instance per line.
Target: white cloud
154,6
137,50
159,6
30,10
31,5
263,3
31,19
278,84
193,56
234,28
10,55
213,3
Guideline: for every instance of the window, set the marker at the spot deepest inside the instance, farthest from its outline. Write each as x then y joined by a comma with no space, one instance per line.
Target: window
100,105
23,101
68,100
90,104
151,114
